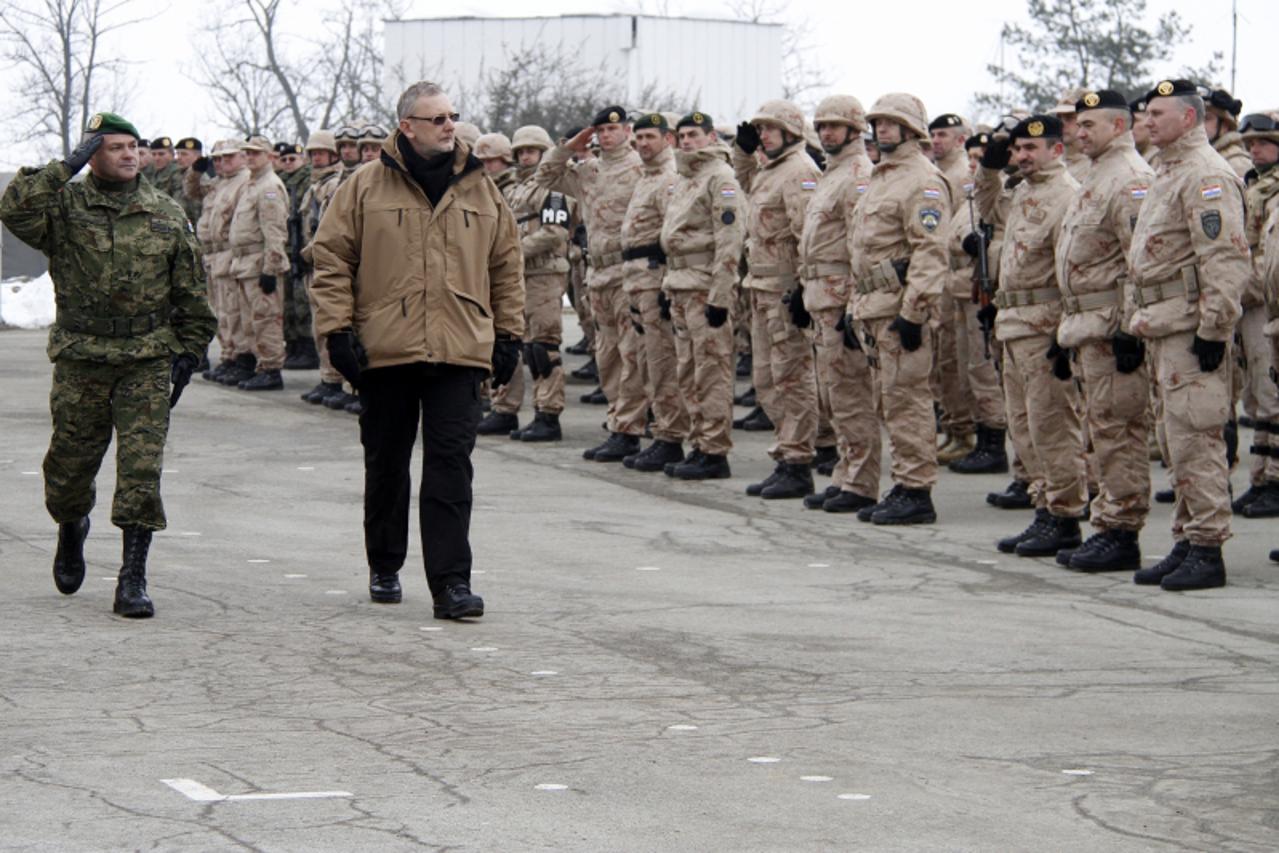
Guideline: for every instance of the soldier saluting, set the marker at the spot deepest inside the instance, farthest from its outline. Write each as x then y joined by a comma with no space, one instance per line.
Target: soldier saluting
132,317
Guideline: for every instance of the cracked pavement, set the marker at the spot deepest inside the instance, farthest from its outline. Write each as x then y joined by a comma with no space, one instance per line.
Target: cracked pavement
644,641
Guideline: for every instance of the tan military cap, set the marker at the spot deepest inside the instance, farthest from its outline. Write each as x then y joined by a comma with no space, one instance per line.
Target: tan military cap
257,143
1066,106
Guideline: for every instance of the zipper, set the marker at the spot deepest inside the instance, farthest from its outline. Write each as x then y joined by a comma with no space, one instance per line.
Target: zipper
466,217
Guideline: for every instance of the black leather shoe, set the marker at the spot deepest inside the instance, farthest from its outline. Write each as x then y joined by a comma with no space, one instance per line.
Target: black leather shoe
1156,573
544,427
1203,568
317,394
68,562
912,506
867,513
707,466
1008,544
756,489
337,402
1061,533
384,587
795,481
595,398
587,372
267,380
657,455
498,423
131,599
1108,551
1165,496
847,502
817,499
1016,496
355,407
1266,504
617,448
458,602
693,455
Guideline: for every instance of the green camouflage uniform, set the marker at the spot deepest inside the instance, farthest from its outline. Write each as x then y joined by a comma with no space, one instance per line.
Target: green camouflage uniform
192,205
130,295
297,308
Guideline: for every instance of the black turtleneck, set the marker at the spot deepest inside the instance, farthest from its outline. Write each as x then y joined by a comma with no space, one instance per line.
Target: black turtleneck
432,174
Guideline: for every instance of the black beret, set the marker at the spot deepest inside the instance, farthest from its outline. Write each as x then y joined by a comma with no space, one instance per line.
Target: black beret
697,119
283,148
655,121
944,121
142,143
609,115
1138,105
1037,127
573,131
160,143
1222,100
190,143
977,140
1102,99
1170,88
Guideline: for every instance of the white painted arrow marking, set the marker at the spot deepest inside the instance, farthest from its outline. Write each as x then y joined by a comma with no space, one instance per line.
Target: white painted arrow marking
200,793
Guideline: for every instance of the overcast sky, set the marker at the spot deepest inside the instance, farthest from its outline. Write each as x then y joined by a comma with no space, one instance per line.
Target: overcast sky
937,50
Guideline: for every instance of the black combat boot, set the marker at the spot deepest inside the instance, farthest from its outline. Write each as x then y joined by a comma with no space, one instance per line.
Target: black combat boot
1156,573
458,602
215,374
656,456
498,423
756,421
1107,551
844,501
384,587
355,406
1253,492
988,457
1016,496
267,380
912,506
594,398
707,466
867,513
544,427
1061,533
817,499
131,598
68,562
1274,555
317,394
1266,504
747,398
795,481
1203,568
304,356
582,347
693,456
757,489
1165,496
617,448
824,459
244,367
1043,520
337,401
588,372
743,370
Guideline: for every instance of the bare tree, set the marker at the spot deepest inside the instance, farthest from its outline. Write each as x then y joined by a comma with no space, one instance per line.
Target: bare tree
802,78
56,47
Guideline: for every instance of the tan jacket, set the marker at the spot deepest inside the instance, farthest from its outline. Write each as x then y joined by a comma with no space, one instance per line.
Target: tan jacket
603,185
703,231
1092,251
1261,199
828,224
260,228
1270,272
219,208
642,224
778,193
1078,165
544,218
902,217
1029,301
416,283
1189,260
959,179
1231,148
324,184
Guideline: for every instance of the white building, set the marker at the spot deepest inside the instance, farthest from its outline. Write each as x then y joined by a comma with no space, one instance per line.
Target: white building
725,68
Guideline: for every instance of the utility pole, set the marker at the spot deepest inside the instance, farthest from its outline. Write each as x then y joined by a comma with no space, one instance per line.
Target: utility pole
1234,40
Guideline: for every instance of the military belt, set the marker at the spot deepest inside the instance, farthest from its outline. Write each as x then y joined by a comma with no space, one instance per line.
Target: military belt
887,276
652,250
1027,298
606,259
1185,284
1092,301
111,327
544,262
245,251
783,270
811,271
692,259
212,247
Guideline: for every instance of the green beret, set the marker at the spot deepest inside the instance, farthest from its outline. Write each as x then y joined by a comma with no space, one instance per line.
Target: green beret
110,123
160,143
654,121
697,119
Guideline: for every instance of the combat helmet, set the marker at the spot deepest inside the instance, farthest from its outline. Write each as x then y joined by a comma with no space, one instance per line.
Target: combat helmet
531,136
784,114
906,110
322,140
841,109
494,146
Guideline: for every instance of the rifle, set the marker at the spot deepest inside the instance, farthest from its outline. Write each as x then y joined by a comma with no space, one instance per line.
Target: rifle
983,287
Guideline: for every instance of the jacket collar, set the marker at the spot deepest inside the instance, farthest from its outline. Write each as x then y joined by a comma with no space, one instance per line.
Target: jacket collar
688,163
1055,168
1116,147
464,163
660,163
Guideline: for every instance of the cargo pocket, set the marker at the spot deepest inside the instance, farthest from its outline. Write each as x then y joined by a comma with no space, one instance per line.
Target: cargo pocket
1202,401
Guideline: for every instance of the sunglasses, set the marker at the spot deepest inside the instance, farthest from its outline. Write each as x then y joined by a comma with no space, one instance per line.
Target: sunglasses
438,120
1257,122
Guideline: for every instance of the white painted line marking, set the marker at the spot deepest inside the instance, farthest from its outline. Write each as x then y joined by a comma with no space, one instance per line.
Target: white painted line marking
257,561
109,579
170,471
648,568
763,759
988,562
819,565
817,778
1077,772
854,796
478,572
6,461
551,786
295,576
544,672
484,649
430,628
682,727
194,790
188,533
306,467
29,473
335,592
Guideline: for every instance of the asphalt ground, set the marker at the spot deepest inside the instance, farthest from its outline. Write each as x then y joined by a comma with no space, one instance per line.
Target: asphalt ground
662,665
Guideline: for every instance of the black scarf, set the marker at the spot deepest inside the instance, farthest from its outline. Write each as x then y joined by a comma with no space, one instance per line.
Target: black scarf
432,174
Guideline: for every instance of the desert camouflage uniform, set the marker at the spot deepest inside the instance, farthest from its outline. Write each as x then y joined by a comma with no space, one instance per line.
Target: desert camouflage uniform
950,346
258,240
1260,396
1231,148
220,197
323,184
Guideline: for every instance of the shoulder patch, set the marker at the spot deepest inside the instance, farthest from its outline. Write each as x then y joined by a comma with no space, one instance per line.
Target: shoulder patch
1210,191
727,217
727,192
808,185
861,188
271,194
1211,222
161,226
555,209
930,217
1139,192
932,192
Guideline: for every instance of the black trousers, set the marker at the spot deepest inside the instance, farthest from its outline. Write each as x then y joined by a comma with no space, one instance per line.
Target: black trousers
446,398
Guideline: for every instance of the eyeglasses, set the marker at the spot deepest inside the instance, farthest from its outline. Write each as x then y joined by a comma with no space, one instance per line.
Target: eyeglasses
438,120
1257,122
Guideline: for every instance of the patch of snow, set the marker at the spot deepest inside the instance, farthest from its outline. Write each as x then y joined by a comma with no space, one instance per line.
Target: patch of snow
27,303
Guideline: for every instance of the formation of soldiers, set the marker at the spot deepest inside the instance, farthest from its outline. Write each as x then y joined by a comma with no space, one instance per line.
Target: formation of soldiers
1090,282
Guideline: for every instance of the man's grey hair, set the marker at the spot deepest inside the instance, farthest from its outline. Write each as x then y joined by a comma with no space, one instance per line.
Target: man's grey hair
1195,103
1112,114
420,89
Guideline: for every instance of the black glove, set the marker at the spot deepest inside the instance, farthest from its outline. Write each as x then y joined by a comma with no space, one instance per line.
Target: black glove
205,165
986,315
912,334
636,323
347,355
506,358
716,316
180,374
1061,361
997,154
1130,352
267,283
747,137
972,244
798,313
1210,353
663,305
845,325
76,159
